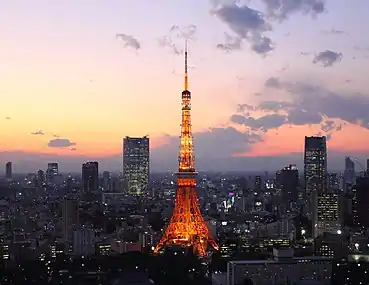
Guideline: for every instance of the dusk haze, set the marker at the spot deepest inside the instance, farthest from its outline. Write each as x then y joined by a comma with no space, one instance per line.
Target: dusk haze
76,77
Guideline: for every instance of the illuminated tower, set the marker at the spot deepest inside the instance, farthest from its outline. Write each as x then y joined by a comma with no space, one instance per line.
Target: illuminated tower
186,226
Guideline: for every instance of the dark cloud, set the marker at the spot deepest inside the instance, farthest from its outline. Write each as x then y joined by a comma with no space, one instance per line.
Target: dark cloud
272,82
8,118
178,33
327,58
262,45
39,132
264,123
309,105
73,149
282,9
231,43
273,106
214,144
60,143
328,126
252,25
129,41
241,108
303,117
314,100
247,24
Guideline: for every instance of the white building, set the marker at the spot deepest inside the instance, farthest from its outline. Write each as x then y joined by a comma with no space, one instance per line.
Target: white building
84,242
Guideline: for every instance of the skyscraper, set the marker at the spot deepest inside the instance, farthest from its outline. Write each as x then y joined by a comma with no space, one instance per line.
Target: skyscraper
315,165
361,206
327,216
136,158
349,174
70,214
8,170
288,179
90,176
52,171
106,181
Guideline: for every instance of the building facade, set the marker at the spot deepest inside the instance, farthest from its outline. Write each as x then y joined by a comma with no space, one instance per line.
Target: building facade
8,170
283,269
136,159
84,242
327,218
315,165
70,214
52,171
90,176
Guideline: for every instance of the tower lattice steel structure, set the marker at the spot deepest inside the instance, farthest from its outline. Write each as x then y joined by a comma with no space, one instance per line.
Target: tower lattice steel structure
187,227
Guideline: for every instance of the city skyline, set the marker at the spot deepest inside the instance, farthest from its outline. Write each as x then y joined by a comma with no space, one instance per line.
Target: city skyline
70,98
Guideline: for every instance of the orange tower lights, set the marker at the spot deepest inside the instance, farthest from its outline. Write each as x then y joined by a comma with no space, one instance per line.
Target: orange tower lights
186,226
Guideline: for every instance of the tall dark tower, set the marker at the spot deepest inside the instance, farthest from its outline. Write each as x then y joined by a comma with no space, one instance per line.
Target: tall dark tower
8,170
90,176
186,227
315,165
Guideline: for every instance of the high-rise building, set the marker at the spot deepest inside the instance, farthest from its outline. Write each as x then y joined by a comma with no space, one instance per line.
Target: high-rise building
333,181
349,174
52,171
315,165
360,206
257,183
70,215
288,178
8,170
84,242
90,176
327,216
106,181
136,153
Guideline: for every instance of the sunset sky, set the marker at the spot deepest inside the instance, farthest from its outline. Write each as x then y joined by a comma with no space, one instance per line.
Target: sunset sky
76,76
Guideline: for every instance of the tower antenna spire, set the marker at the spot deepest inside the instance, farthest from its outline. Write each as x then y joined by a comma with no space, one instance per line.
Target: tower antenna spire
186,68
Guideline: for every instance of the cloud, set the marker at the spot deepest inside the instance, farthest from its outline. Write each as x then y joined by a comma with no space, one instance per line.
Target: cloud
8,118
129,41
328,126
335,32
264,123
241,108
60,143
316,101
309,105
212,146
73,149
262,45
272,82
328,58
303,117
247,24
282,9
231,43
251,25
176,33
273,106
39,132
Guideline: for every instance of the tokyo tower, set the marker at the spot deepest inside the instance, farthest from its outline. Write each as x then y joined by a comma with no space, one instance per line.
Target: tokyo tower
187,227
